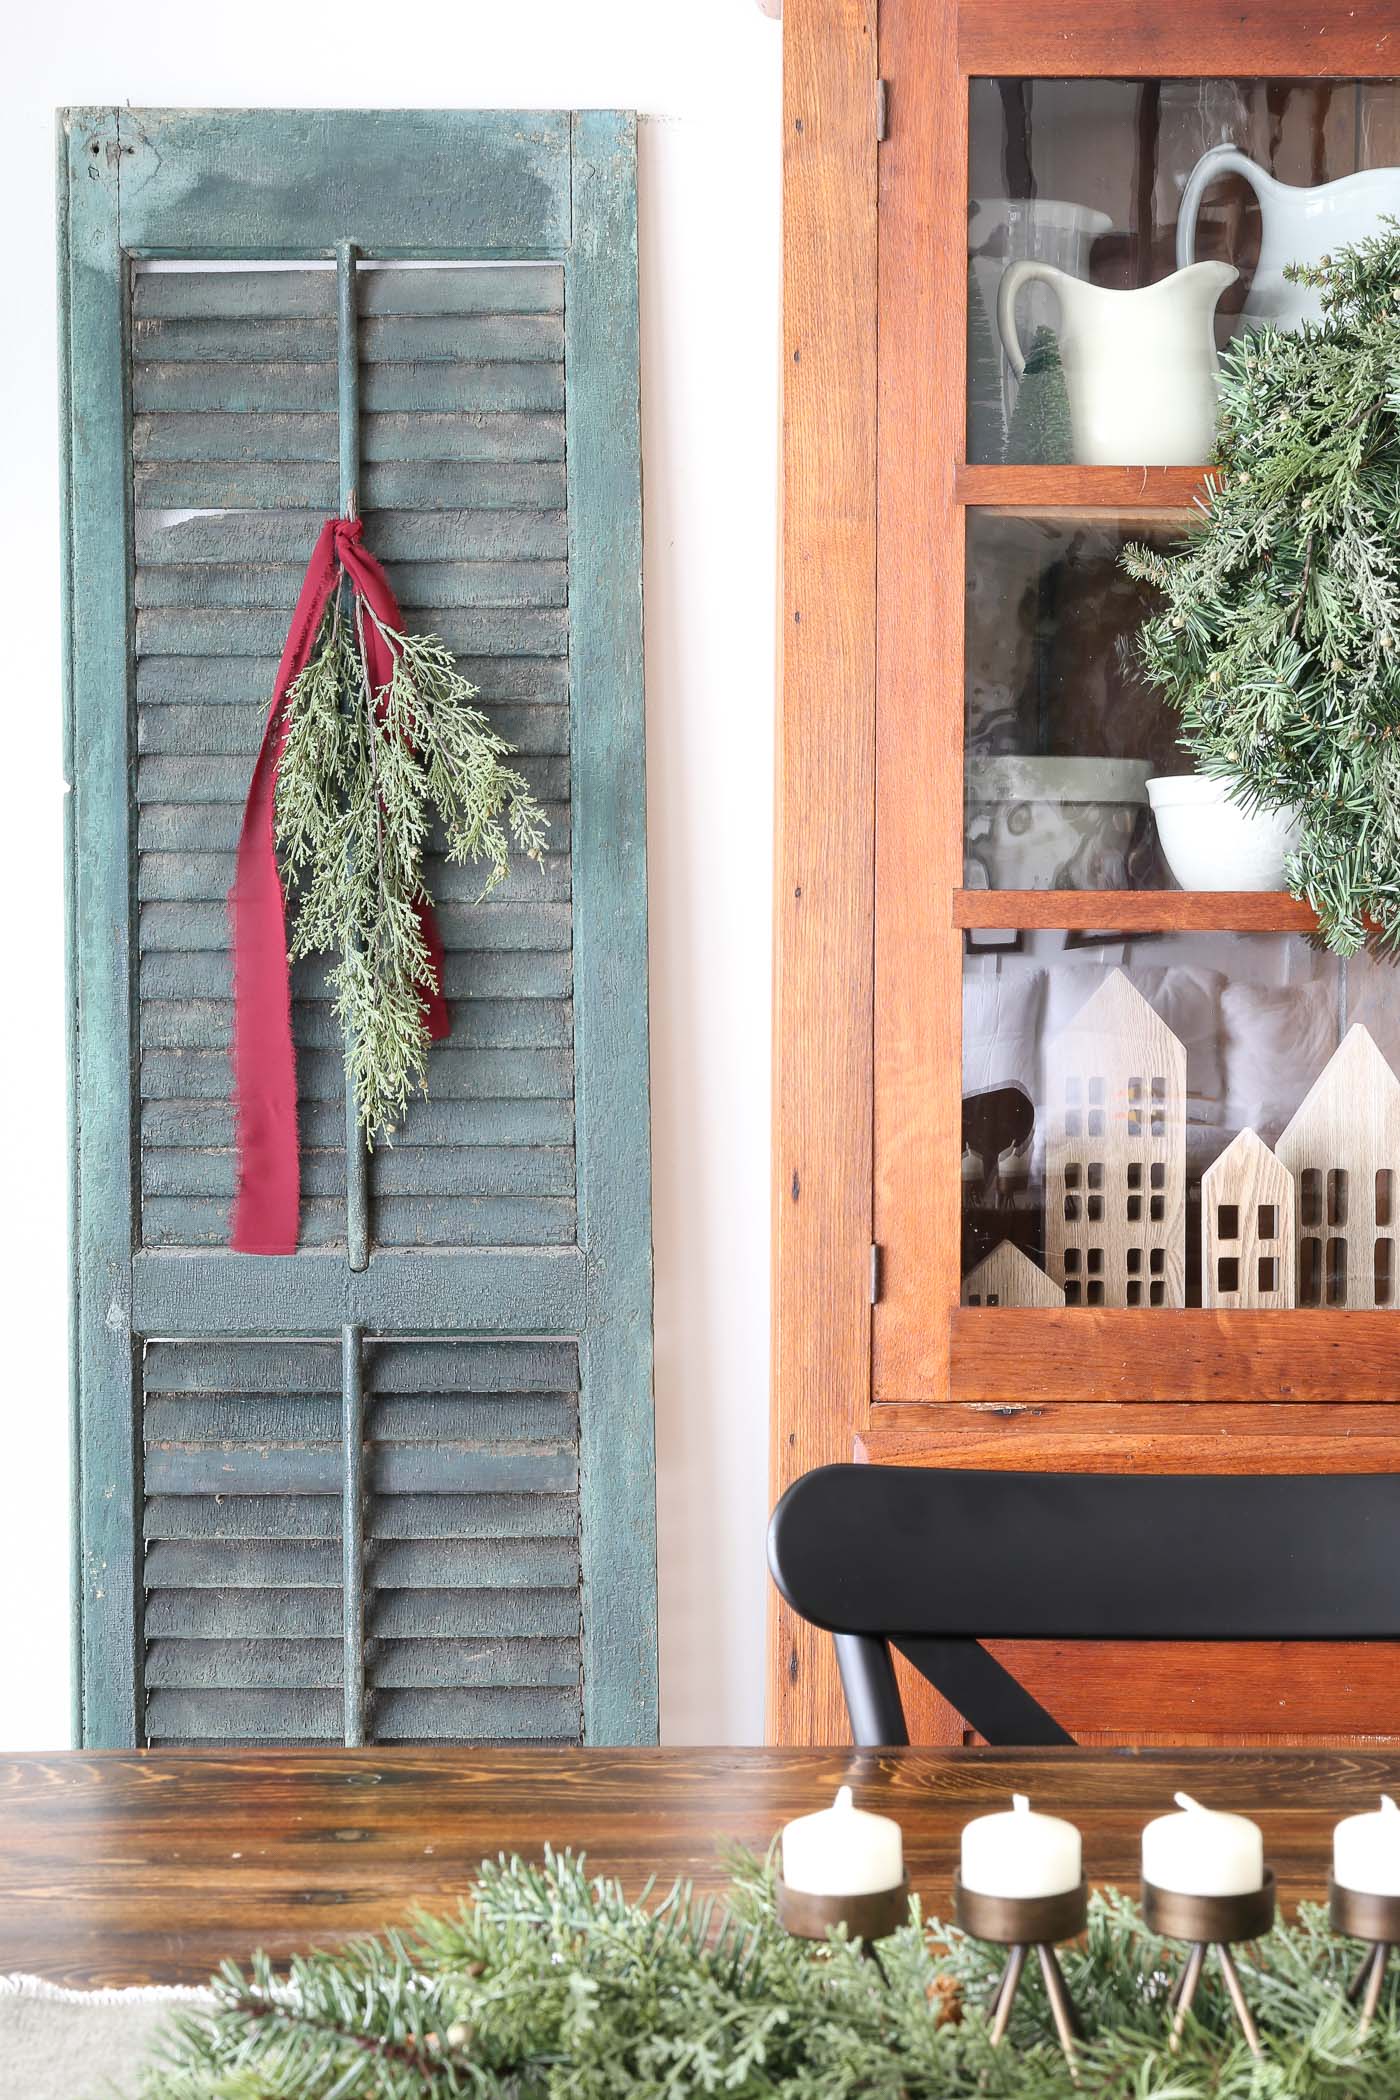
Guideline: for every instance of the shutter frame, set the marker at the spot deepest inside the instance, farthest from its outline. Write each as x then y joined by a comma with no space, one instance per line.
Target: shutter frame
611,1095
527,186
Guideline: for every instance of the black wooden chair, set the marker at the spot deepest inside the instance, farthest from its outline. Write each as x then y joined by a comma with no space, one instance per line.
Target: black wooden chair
932,1563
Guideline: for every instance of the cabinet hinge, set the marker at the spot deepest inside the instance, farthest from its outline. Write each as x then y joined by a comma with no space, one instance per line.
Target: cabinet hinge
874,1273
882,111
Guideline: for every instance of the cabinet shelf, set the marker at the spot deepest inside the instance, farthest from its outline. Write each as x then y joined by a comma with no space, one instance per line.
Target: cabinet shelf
1135,911
1134,491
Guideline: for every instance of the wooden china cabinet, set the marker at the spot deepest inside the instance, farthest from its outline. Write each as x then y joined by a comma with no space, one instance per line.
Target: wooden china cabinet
954,615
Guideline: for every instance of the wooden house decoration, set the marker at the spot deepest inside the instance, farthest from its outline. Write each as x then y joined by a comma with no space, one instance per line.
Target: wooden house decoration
1115,1154
1343,1150
1006,1276
1247,1246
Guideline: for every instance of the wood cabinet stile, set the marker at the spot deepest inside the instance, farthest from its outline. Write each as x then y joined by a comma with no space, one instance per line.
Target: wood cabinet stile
823,879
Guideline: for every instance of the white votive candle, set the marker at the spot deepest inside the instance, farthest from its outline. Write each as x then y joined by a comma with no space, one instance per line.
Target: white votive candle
842,1851
1203,1852
1020,1853
1366,1851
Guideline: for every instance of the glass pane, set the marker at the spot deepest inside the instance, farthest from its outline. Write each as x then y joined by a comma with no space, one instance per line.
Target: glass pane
1061,733
1100,189
1178,1119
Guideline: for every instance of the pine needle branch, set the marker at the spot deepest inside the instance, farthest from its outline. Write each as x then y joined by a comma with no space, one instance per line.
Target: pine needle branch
364,777
551,1982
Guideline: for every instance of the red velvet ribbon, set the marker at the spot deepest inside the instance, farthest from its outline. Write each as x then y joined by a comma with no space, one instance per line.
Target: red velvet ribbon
268,1202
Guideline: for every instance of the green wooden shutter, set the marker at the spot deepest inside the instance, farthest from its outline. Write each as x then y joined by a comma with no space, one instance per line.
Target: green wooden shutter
398,1485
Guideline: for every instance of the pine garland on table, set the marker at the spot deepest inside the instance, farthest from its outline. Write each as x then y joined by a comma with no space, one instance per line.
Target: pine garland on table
549,1984
1279,641
360,776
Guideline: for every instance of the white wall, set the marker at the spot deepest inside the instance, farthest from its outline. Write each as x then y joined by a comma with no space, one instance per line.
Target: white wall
705,76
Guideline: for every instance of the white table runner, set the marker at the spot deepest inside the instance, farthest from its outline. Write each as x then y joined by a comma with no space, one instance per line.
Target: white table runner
58,2044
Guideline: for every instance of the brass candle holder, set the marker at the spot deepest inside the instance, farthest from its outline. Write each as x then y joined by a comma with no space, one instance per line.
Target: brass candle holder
1376,1919
866,1918
1221,1922
1020,1923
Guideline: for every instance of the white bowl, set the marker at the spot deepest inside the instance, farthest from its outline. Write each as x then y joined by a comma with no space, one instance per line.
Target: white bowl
1211,843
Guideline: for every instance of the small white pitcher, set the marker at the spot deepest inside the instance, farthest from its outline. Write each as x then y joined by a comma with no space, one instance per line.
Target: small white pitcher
1002,230
1140,367
1300,226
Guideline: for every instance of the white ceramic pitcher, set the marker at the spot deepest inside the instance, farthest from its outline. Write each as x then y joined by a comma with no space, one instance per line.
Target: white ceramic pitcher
1002,230
1140,367
1300,226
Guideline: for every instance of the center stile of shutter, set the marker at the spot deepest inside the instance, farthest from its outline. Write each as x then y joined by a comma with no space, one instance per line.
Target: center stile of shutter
352,1528
348,406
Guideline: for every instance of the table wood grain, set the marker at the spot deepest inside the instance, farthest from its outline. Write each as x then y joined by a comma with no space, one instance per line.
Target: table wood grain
151,1867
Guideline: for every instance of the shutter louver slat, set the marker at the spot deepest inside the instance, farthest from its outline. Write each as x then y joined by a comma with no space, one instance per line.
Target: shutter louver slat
423,586
210,1125
170,387
476,338
202,877
472,1611
218,630
242,681
455,1221
284,536
536,484
510,974
277,294
488,1024
464,1075
535,1170
225,780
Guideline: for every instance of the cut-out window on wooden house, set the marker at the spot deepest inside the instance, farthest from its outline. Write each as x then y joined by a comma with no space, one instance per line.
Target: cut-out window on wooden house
398,1484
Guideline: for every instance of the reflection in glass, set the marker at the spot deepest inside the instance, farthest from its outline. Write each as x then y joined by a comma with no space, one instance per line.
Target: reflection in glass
1061,733
1121,183
1179,1119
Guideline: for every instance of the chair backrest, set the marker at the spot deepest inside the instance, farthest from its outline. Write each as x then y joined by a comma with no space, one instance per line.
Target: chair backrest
934,1562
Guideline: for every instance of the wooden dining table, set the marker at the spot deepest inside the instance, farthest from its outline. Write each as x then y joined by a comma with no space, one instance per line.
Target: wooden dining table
127,1867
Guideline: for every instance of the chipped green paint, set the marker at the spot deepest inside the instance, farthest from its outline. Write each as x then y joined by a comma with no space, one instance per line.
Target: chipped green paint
501,464
616,1459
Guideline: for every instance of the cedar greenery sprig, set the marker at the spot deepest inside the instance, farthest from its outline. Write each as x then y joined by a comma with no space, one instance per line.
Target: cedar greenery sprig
360,777
551,1984
1279,639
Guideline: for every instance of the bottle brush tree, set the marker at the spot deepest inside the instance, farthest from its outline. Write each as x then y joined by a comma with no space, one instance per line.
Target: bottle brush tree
1040,433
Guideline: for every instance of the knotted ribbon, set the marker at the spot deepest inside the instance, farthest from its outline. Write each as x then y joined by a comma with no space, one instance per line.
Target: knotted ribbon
268,1200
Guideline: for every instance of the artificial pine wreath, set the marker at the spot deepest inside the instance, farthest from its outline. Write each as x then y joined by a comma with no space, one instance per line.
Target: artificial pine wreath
1279,642
360,776
549,1986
